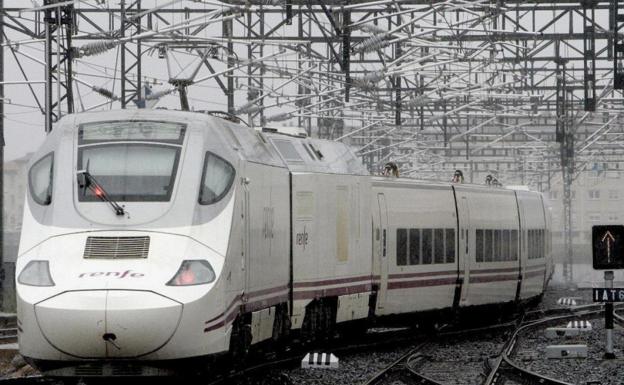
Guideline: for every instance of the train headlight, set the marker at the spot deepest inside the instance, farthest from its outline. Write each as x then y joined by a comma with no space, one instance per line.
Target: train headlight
36,273
193,272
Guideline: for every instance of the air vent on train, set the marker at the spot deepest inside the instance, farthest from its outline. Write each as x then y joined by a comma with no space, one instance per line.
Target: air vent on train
93,369
116,247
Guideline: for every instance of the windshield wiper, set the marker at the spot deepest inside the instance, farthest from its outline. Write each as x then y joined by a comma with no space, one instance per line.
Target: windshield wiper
88,181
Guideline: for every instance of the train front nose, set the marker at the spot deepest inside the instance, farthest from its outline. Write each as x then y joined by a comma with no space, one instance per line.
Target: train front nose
108,323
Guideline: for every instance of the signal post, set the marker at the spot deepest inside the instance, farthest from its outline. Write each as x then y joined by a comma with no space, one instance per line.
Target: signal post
608,255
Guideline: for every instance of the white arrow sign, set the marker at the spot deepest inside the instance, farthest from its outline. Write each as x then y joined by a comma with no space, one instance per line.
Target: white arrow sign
608,237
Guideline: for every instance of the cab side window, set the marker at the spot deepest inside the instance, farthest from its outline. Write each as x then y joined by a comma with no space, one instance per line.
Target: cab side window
217,179
40,180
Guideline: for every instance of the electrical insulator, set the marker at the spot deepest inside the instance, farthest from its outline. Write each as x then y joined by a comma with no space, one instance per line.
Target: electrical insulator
373,43
279,117
364,85
96,48
159,94
105,92
373,29
418,101
374,76
248,108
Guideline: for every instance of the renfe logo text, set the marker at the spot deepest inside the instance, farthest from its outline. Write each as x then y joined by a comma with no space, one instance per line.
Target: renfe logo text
116,274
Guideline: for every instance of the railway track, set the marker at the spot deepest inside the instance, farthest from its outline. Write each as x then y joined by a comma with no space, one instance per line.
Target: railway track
293,357
408,368
405,369
504,368
400,370
500,370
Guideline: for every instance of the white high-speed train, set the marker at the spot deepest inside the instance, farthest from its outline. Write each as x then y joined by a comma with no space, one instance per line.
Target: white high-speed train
152,238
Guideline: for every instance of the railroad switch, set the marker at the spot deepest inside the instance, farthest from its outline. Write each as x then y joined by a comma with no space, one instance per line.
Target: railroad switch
566,351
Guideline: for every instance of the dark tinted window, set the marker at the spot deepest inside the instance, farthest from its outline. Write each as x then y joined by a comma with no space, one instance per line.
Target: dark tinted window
514,245
438,237
40,180
489,243
480,240
414,247
450,245
401,247
506,245
427,245
217,178
496,255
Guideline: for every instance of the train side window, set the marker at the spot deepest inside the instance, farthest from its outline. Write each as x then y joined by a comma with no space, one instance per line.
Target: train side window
506,245
531,244
427,246
496,254
489,242
479,241
401,247
414,247
438,242
450,245
536,240
217,179
40,178
514,245
535,244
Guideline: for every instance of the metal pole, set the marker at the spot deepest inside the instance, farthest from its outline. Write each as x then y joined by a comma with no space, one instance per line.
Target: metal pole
48,72
124,25
1,158
608,275
228,31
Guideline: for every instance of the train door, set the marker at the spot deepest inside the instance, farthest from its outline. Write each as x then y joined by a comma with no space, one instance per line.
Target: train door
464,244
383,249
246,232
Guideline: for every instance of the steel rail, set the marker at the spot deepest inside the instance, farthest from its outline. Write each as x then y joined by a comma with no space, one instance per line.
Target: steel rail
503,367
506,368
406,367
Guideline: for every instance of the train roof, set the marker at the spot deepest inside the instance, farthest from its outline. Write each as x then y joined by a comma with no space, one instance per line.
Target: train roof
388,181
282,148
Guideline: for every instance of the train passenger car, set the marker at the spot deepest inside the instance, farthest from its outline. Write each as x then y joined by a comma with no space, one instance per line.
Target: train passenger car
415,237
154,237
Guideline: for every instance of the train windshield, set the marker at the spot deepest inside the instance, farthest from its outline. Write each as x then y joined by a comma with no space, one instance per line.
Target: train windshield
132,160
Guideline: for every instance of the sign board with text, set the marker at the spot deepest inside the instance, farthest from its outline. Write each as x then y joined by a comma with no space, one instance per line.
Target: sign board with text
608,295
608,247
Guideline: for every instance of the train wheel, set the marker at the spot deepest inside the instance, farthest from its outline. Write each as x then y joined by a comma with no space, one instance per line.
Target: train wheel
328,318
240,341
320,320
281,327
